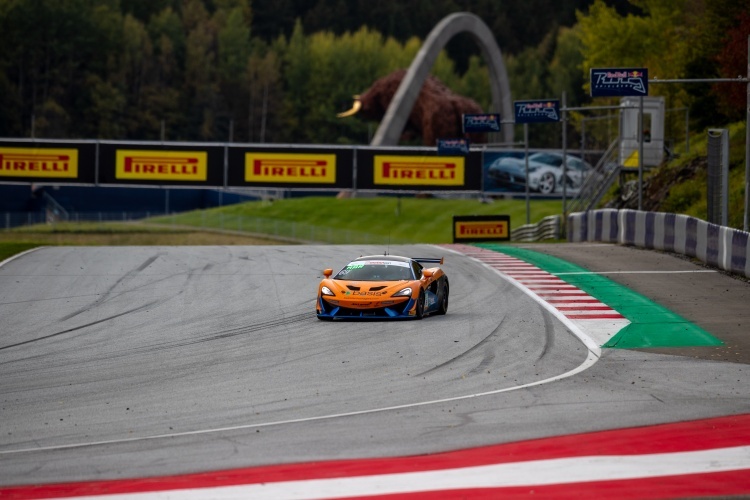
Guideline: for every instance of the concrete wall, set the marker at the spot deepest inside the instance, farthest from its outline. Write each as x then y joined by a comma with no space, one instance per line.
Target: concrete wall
717,246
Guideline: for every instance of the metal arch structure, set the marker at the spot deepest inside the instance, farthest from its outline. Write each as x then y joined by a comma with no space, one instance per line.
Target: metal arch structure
390,128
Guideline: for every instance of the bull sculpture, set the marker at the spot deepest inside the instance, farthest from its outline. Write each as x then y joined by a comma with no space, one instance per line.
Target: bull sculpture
437,112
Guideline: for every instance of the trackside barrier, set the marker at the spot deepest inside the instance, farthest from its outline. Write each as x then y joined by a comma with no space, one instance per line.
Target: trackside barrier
719,246
594,225
546,229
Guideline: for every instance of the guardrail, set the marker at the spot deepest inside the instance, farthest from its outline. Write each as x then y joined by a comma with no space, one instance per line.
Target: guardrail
548,228
718,246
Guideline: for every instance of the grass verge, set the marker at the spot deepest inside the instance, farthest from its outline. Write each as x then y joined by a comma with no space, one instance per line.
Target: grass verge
368,220
317,218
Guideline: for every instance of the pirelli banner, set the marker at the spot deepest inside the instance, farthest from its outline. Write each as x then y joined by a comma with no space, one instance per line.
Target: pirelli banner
477,228
213,165
284,167
60,163
159,164
418,170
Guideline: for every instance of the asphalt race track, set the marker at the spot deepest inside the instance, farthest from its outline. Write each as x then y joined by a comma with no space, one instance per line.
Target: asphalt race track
125,362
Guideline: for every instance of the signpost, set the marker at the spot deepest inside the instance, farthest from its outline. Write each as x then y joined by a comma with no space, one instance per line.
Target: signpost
624,82
618,82
449,147
536,111
481,123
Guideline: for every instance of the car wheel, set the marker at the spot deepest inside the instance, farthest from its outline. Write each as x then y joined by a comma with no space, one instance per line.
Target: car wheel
547,183
444,303
420,305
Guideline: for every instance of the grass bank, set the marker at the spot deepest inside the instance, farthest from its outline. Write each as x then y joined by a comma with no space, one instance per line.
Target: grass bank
318,219
359,220
115,234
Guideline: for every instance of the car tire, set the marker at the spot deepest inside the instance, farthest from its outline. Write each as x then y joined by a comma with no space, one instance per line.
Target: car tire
444,301
547,183
419,310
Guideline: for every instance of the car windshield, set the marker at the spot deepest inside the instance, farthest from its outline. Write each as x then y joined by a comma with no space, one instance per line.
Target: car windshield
577,164
375,270
549,159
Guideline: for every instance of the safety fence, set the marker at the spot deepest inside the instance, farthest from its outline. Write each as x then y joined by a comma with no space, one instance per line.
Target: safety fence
486,169
719,246
548,228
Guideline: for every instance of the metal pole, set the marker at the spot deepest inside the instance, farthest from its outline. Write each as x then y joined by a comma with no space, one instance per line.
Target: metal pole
640,153
746,223
263,114
687,131
354,173
583,139
526,156
565,153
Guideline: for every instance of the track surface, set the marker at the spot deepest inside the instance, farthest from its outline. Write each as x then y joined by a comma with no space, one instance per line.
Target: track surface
140,361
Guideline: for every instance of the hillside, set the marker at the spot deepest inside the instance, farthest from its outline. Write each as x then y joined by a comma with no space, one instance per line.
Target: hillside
680,185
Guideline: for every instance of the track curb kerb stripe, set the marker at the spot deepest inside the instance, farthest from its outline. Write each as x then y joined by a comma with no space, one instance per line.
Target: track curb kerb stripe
590,319
651,325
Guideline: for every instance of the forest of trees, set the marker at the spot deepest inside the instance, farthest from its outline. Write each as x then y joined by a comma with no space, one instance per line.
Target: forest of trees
278,71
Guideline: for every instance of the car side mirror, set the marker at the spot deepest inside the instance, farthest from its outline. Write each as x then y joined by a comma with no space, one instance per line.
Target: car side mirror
427,273
327,273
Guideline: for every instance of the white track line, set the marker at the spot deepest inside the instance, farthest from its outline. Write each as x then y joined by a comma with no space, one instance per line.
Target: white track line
593,332
594,352
558,471
19,255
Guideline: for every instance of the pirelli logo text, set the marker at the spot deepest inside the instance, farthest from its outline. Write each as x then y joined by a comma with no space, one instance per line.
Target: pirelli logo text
476,228
161,165
37,162
419,170
473,230
290,168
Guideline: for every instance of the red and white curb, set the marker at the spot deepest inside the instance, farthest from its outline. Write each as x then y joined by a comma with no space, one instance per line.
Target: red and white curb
708,457
594,318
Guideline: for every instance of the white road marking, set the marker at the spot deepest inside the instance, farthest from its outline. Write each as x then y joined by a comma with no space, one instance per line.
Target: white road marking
592,332
594,352
591,358
559,471
19,255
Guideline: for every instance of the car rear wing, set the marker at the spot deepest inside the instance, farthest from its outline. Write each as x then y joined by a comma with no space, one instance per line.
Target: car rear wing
425,260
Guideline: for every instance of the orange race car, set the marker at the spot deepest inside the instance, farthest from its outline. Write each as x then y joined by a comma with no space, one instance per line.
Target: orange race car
383,286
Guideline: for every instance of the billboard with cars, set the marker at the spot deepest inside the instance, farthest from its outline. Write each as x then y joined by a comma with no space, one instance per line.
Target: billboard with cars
505,171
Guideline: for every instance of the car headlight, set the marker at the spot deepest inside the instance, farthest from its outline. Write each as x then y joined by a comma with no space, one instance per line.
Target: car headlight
405,292
326,291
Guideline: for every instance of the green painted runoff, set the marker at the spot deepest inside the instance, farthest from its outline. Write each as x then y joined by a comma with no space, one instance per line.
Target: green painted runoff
651,325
